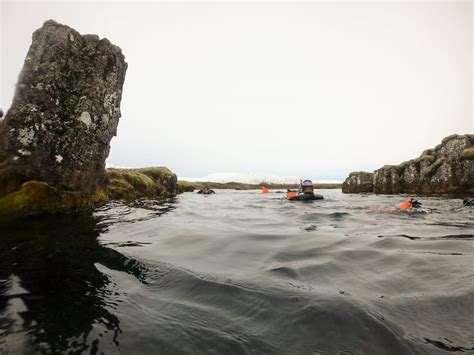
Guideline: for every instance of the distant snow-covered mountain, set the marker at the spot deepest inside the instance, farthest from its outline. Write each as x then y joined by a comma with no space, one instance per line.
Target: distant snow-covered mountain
250,178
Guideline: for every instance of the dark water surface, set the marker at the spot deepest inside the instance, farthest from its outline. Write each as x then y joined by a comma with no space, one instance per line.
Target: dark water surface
241,272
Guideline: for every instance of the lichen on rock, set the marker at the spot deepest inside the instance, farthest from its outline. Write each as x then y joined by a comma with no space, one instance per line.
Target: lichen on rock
54,131
56,136
358,182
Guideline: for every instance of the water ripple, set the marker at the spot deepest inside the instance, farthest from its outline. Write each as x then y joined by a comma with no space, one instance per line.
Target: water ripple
241,273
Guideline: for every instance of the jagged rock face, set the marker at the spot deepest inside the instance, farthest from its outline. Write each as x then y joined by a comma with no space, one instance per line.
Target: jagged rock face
446,169
382,180
65,111
358,182
410,178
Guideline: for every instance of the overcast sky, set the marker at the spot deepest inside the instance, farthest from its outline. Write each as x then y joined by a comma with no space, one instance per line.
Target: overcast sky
311,89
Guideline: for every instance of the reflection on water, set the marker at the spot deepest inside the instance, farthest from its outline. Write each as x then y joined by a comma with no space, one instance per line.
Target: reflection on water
240,272
51,288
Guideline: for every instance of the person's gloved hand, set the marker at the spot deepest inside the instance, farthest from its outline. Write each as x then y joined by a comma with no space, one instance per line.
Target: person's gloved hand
416,204
1,113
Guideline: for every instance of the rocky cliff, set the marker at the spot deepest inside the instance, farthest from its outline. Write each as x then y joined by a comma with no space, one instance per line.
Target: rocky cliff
64,113
359,182
446,169
55,138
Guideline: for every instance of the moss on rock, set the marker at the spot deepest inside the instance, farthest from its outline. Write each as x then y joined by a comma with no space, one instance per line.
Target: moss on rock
143,182
36,197
155,172
429,158
468,154
431,170
187,186
129,180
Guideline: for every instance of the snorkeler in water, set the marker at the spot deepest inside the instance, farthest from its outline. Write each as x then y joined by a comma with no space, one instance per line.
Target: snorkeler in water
468,201
305,193
206,191
410,203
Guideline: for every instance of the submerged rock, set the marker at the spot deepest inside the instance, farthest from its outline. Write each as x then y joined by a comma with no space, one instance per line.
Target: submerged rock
446,169
65,112
35,197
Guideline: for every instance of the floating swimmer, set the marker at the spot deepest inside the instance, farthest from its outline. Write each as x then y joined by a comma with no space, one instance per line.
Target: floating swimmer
206,191
306,193
410,203
468,201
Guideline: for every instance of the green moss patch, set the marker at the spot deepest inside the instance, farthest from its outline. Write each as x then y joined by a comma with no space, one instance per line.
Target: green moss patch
430,158
143,182
431,170
467,154
187,186
360,173
155,172
35,197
